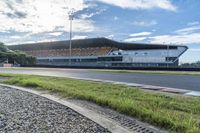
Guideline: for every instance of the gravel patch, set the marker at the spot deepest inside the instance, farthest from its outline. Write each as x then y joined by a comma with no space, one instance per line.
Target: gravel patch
22,112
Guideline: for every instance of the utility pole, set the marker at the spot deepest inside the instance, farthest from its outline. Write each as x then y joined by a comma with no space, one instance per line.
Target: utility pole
71,17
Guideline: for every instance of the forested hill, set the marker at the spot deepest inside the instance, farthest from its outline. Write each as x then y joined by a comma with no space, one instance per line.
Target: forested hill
15,57
3,48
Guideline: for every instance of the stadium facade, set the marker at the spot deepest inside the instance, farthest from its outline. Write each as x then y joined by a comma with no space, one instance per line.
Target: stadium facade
102,52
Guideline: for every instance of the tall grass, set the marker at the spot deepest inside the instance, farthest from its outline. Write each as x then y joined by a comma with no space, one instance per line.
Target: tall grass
175,113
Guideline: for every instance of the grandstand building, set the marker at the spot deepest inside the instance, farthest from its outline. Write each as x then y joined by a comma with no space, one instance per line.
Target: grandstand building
102,52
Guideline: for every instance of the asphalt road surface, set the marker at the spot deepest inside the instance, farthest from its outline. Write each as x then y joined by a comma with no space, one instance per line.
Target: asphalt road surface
187,82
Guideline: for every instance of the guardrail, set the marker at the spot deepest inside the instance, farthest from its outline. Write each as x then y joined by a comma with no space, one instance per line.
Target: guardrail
124,68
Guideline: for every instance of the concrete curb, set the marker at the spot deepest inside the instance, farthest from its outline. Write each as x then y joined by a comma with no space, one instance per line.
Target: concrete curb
142,86
98,118
147,87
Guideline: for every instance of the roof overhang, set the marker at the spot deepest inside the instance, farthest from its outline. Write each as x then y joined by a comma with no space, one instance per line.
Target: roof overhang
92,42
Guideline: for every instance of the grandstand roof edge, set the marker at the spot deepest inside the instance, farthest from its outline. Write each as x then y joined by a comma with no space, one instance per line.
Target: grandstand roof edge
89,42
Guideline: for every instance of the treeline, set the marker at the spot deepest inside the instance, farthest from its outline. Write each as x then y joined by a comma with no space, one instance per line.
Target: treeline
194,64
15,57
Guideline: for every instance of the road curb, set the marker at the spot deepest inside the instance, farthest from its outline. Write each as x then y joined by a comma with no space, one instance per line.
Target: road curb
147,87
142,86
97,118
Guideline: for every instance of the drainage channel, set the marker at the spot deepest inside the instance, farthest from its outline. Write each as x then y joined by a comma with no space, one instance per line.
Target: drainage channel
107,118
95,117
129,123
135,126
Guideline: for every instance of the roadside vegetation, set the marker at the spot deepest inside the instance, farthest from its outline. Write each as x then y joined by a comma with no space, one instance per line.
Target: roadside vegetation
194,64
15,57
172,112
152,72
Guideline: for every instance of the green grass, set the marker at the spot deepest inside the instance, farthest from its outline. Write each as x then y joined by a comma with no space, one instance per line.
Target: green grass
174,113
152,72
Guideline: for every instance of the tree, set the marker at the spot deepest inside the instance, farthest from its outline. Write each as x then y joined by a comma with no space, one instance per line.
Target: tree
3,48
15,57
194,64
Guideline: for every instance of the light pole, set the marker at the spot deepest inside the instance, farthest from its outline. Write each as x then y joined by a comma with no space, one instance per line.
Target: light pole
71,17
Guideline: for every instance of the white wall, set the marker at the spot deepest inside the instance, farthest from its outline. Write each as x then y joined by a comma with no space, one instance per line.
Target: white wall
150,56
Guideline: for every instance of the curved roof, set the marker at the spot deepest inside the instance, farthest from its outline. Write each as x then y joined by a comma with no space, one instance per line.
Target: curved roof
85,43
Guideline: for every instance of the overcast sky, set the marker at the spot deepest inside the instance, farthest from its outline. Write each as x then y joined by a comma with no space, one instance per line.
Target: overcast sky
149,21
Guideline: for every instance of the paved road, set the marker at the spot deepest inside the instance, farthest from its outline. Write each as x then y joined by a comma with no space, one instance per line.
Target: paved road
187,82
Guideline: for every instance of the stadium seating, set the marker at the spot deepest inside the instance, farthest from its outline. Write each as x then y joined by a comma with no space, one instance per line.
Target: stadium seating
92,51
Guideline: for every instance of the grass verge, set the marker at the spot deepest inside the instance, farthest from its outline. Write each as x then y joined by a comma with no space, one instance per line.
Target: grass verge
152,72
174,113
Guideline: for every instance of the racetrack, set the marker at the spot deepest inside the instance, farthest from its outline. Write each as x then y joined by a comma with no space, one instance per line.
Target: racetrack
187,82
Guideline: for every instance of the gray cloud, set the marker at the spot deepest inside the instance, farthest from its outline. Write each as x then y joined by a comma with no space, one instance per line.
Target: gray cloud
9,6
13,12
30,18
16,14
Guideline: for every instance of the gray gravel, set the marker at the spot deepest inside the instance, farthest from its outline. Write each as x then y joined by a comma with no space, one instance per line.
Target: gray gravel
24,112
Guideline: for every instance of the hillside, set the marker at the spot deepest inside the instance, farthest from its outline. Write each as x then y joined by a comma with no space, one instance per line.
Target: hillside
15,57
3,48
